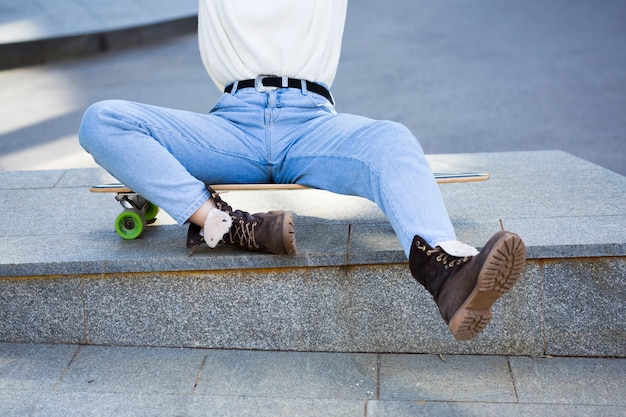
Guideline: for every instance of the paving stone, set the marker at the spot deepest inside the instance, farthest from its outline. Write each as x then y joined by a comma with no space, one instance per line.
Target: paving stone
574,381
455,378
64,380
17,403
288,375
24,180
32,368
481,409
83,178
154,370
140,405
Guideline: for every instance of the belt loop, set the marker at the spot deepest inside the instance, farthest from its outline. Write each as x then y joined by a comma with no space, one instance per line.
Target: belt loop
234,89
305,89
285,82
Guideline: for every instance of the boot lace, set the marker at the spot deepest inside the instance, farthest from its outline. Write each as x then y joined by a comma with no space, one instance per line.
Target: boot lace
442,257
447,260
242,232
243,235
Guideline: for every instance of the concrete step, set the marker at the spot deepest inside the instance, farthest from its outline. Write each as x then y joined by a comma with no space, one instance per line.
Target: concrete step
66,277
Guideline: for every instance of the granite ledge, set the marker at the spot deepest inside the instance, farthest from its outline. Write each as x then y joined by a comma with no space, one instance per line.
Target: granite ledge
553,217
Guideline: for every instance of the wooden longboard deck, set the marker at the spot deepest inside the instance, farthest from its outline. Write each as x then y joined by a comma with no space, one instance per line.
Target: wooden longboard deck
441,178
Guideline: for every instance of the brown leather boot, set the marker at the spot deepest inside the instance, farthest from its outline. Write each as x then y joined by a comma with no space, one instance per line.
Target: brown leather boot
271,232
465,288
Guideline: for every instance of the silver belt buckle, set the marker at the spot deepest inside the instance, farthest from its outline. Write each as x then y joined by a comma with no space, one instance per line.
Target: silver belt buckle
258,84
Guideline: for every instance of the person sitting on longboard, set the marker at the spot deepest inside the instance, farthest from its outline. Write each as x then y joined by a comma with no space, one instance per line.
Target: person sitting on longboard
283,128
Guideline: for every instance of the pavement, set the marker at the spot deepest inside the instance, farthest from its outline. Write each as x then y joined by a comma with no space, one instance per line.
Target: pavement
66,380
488,76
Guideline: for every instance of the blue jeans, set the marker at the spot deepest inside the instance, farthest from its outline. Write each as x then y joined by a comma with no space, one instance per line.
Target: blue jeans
282,136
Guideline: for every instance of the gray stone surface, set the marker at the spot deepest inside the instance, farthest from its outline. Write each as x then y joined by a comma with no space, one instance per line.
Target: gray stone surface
429,378
141,405
42,310
562,206
383,309
155,371
346,309
348,289
32,368
66,380
289,375
473,409
584,304
18,403
555,220
238,309
582,381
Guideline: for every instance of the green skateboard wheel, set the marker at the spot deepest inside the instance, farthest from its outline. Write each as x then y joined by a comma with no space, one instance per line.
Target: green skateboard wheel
150,211
130,224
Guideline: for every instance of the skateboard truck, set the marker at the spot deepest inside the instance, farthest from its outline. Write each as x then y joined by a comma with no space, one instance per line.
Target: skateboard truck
131,201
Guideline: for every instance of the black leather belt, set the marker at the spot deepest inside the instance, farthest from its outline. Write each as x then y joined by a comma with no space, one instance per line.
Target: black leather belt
264,83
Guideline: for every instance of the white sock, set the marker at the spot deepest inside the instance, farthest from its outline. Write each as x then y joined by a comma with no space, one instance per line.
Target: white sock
456,248
216,225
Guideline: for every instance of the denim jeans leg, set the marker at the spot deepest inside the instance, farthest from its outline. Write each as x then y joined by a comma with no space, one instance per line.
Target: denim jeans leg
252,137
378,160
166,155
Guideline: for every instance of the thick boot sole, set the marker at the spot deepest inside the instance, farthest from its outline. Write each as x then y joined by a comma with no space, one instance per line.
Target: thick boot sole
288,233
502,268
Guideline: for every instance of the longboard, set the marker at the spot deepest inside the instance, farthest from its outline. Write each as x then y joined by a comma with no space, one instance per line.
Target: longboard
441,178
139,212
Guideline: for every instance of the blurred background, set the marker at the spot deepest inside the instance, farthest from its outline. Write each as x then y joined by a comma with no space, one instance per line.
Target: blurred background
464,75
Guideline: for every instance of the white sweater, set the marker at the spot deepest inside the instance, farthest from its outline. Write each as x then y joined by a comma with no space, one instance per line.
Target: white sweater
241,39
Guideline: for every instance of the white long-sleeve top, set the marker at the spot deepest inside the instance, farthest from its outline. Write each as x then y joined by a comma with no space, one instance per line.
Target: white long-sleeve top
242,39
